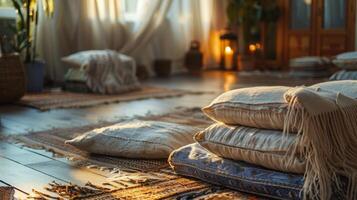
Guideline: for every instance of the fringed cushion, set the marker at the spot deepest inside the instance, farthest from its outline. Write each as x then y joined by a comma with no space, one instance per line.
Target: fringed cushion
262,147
194,161
326,122
263,107
136,139
103,71
260,107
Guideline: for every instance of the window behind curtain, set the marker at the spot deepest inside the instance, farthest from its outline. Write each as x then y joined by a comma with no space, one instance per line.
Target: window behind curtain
129,9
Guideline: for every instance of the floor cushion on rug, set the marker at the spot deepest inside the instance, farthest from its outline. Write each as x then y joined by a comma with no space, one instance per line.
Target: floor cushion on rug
310,66
310,73
75,81
344,75
104,71
260,107
76,87
194,161
310,62
136,139
347,61
75,74
262,147
346,87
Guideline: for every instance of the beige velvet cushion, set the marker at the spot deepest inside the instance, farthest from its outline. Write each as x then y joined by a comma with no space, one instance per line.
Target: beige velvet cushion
346,87
136,139
255,146
259,107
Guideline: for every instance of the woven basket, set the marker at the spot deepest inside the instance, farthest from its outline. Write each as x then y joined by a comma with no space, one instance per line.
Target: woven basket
12,78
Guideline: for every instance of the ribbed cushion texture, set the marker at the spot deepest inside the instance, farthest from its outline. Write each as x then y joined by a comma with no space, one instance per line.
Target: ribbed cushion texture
256,146
263,107
344,75
259,107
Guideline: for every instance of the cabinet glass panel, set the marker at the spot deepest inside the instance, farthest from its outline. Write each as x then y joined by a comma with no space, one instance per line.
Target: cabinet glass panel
334,16
300,14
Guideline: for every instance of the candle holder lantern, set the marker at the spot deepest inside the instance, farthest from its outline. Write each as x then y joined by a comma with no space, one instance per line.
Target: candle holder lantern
229,51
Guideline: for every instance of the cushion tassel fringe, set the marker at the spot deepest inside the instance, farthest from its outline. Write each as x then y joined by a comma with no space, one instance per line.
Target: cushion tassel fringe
328,129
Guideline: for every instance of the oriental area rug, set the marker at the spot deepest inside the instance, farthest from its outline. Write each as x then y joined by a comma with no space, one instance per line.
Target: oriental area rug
54,100
138,179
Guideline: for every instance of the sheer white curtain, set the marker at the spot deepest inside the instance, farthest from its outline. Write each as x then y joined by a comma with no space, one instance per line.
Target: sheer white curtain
185,21
162,29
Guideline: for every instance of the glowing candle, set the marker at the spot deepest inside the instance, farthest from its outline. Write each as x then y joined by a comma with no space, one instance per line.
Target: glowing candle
228,58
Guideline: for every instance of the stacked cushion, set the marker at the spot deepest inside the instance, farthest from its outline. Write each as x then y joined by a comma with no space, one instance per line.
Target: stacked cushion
310,66
263,107
75,80
195,161
347,62
260,107
82,76
344,75
256,146
346,87
246,149
136,139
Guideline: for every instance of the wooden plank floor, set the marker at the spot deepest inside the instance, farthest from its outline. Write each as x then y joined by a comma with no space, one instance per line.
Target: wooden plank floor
26,168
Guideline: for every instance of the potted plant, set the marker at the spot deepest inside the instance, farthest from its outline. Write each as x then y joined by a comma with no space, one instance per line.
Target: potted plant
248,16
26,43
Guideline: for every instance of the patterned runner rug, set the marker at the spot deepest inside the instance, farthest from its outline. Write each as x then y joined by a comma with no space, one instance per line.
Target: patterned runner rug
53,100
136,179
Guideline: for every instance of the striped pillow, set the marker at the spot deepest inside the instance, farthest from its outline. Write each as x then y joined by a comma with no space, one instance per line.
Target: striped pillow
259,107
256,146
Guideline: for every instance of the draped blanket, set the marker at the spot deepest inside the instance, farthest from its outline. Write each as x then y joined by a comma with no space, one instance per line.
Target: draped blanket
111,73
327,124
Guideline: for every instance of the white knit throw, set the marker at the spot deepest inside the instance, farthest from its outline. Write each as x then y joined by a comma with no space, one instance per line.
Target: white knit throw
327,124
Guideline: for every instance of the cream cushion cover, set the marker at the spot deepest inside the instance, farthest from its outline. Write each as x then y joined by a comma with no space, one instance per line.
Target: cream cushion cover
256,146
259,107
347,61
264,107
346,87
136,139
309,62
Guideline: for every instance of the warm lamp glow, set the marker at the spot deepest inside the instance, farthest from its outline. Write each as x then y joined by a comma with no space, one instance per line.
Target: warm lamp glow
252,48
258,46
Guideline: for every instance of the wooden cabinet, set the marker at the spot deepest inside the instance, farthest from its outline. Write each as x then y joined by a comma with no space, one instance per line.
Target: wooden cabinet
317,27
